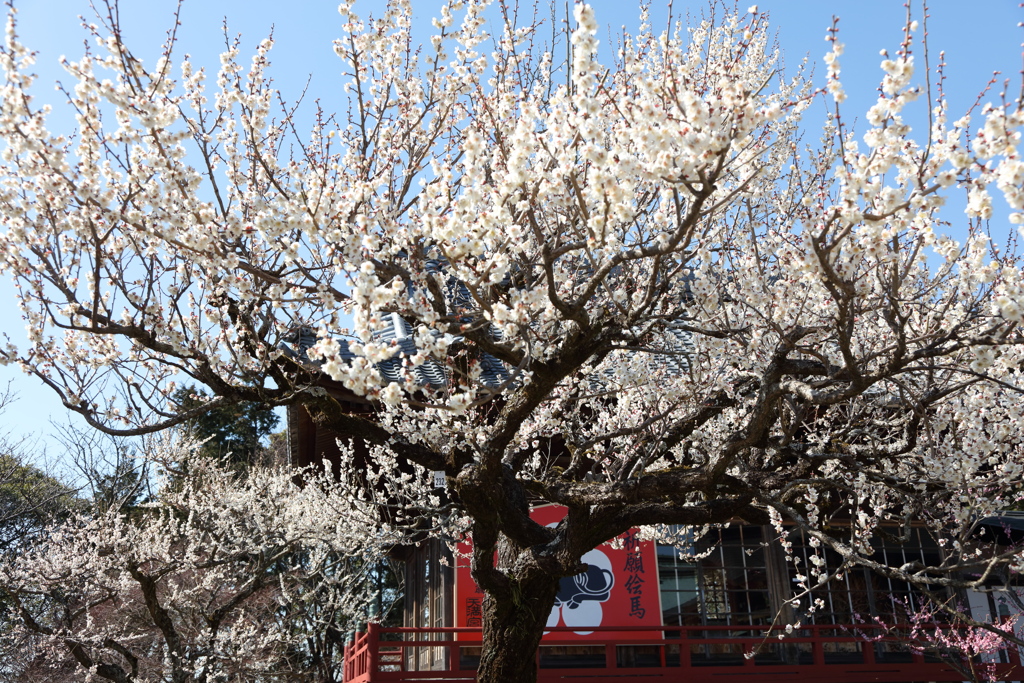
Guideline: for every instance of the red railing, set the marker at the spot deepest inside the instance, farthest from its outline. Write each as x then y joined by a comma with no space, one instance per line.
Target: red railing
694,654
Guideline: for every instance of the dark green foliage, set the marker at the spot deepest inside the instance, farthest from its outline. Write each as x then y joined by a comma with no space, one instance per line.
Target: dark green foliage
30,500
234,431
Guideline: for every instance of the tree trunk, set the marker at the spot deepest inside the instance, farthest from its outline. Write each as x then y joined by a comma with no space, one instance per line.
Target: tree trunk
512,629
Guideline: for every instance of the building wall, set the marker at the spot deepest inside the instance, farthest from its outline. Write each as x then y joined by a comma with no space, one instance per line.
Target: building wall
738,575
429,603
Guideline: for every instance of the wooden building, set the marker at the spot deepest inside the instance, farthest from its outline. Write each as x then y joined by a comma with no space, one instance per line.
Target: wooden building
722,602
720,605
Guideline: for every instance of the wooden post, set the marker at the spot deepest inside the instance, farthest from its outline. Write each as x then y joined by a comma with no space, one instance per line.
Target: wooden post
372,651
454,652
748,649
868,650
358,659
684,649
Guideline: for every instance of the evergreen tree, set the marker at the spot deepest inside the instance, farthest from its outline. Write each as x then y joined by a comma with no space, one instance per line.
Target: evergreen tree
234,431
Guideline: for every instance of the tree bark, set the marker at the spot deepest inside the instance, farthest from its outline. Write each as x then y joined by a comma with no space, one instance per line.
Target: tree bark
513,626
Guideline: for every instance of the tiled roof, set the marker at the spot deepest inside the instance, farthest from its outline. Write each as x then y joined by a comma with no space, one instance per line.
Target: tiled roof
668,355
397,331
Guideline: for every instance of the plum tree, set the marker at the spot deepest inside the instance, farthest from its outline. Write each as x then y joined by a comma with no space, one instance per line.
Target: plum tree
625,288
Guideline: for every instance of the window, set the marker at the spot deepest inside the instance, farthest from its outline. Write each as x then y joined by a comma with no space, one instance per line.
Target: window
859,593
729,586
429,594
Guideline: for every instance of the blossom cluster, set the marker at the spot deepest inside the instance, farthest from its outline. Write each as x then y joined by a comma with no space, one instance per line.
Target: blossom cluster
206,582
690,305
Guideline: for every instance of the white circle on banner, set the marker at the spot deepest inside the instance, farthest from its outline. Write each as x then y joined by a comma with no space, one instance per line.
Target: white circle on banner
579,597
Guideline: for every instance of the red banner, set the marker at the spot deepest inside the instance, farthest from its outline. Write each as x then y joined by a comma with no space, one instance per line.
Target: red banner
619,588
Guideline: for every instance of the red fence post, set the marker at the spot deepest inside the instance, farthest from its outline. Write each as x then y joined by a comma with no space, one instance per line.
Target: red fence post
611,661
454,651
748,654
868,651
372,651
359,654
346,663
685,649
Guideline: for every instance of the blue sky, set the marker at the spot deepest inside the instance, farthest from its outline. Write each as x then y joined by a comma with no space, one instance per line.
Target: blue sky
978,37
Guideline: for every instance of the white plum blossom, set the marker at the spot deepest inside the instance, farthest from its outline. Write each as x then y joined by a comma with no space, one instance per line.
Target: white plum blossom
627,286
207,582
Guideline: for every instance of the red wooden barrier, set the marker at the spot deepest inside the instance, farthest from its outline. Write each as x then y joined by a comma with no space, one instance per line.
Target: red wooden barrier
690,654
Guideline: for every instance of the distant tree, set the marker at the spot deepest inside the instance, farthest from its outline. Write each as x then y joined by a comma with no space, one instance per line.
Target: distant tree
30,500
212,580
236,430
115,472
275,453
